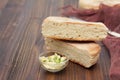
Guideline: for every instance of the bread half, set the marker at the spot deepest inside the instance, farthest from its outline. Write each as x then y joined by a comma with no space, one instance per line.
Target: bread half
70,29
83,53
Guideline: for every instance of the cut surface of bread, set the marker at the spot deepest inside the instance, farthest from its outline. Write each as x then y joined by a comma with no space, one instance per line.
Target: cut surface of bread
70,29
94,4
85,54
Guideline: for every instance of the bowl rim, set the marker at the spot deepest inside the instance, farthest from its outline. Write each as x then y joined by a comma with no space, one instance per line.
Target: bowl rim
53,52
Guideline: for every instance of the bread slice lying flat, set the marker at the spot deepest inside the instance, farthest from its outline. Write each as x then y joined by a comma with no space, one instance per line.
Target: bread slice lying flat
94,4
70,29
85,54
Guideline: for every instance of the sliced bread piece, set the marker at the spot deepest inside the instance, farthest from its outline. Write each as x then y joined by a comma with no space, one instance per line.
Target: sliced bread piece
83,53
71,29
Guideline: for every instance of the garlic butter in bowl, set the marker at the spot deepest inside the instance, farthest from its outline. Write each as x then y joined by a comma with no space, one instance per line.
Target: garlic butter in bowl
53,62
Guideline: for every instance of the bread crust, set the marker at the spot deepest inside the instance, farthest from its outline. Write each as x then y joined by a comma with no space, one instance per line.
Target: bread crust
93,48
73,29
73,39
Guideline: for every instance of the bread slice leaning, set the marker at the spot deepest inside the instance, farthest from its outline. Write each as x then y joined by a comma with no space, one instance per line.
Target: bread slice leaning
70,29
85,54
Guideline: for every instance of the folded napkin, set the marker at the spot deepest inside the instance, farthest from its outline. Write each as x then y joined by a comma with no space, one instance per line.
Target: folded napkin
110,16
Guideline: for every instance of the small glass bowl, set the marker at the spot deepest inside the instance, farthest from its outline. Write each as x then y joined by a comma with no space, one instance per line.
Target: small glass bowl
49,53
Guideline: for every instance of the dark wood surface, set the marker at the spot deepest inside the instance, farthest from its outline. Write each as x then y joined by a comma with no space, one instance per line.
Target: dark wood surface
21,43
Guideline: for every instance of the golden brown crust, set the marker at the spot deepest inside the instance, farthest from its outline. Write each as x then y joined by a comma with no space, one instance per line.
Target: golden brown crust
65,20
73,39
93,48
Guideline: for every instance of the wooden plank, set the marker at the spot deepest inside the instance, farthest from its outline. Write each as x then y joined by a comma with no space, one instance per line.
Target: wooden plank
14,24
7,27
23,61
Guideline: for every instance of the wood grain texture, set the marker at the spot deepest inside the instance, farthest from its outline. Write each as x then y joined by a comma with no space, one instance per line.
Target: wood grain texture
21,42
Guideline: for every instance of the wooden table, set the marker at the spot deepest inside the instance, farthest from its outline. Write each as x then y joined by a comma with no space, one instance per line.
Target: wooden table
21,42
